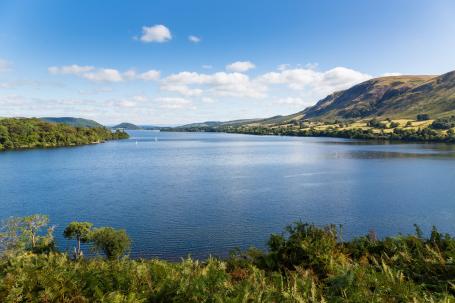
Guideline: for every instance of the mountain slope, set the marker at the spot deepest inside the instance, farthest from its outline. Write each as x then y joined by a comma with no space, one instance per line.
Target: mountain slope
385,97
395,97
75,122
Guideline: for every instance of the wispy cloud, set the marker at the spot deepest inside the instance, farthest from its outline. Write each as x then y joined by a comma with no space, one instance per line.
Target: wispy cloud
217,84
194,39
240,66
69,69
175,103
150,75
103,74
334,79
390,74
310,83
156,33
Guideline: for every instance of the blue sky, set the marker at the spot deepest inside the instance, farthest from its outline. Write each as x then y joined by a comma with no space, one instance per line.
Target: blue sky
134,61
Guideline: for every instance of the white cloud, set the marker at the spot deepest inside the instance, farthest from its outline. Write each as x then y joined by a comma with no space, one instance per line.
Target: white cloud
175,103
282,67
127,103
182,89
207,66
104,75
146,76
157,33
218,84
240,66
5,65
194,39
294,102
329,81
130,74
150,75
312,65
132,102
390,74
69,69
95,91
208,100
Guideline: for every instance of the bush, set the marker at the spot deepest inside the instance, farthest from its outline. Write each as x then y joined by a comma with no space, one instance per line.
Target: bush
113,243
307,263
394,124
444,123
423,117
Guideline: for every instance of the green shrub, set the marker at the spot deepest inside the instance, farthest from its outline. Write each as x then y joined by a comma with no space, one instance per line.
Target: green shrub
307,263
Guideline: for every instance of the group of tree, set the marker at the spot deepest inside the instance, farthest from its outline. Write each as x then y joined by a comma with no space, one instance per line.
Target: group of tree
306,263
17,133
375,131
34,234
444,123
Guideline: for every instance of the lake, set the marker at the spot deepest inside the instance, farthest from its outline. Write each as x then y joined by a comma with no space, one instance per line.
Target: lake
197,194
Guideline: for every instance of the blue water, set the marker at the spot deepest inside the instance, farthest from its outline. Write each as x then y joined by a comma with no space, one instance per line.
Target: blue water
197,194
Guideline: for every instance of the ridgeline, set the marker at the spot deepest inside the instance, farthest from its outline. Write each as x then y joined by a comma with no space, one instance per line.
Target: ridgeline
406,108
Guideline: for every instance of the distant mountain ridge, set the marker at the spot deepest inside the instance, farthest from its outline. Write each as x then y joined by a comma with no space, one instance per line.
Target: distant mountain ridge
127,125
383,97
388,97
76,122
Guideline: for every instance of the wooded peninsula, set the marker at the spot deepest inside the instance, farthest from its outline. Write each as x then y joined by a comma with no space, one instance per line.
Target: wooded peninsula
24,133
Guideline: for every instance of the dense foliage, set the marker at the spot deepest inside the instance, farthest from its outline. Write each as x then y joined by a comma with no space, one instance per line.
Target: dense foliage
376,131
305,264
444,123
17,133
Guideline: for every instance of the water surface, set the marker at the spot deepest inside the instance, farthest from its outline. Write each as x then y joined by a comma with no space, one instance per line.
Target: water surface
206,193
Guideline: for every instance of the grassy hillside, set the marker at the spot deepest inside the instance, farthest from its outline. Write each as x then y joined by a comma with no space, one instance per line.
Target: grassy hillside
76,122
126,125
387,97
413,108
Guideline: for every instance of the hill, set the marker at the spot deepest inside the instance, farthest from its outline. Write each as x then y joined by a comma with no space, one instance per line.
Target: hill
409,108
23,133
388,97
126,125
395,97
71,121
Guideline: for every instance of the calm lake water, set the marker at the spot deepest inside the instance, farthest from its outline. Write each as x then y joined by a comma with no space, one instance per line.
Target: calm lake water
206,193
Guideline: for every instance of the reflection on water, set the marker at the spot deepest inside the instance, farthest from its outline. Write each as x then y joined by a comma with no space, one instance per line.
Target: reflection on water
205,193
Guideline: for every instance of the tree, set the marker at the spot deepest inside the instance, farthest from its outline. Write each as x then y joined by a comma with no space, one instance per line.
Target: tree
394,124
113,243
423,117
27,233
32,225
79,231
